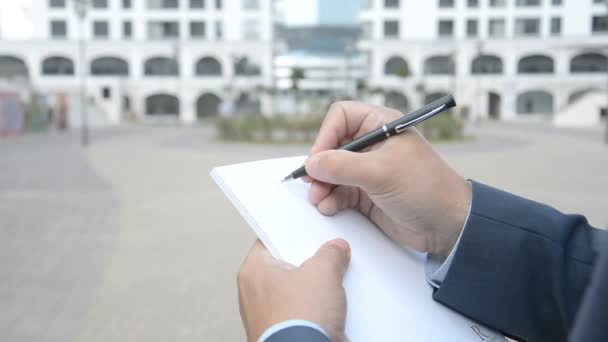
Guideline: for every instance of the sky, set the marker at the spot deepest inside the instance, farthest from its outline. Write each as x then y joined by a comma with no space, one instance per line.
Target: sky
14,22
14,19
327,12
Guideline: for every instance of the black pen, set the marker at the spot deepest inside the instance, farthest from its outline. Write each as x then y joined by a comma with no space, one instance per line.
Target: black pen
386,131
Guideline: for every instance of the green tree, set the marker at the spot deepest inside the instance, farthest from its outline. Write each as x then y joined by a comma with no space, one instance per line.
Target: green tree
297,74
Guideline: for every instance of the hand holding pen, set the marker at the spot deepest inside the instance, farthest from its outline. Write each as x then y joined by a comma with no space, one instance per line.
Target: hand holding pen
401,184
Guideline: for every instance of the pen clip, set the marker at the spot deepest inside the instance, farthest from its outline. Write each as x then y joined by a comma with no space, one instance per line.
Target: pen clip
403,127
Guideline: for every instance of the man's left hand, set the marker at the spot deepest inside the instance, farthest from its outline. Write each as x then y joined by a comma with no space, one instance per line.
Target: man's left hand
271,291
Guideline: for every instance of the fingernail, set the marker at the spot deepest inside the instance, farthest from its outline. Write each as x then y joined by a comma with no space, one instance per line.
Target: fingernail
340,244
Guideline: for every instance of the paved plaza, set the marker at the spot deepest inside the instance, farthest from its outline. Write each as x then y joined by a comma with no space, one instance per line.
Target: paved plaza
130,240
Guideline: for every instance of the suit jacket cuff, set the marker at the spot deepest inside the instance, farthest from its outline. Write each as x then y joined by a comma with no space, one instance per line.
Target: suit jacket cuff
294,331
437,266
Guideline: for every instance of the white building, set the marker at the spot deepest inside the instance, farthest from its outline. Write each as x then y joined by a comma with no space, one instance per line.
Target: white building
508,59
148,58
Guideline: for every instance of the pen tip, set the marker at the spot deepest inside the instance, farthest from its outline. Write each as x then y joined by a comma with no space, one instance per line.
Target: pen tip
287,179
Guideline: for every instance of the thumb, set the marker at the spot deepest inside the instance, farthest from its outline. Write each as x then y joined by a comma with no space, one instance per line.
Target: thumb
341,167
335,255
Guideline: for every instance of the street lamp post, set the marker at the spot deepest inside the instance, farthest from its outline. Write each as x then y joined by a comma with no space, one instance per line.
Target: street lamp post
80,7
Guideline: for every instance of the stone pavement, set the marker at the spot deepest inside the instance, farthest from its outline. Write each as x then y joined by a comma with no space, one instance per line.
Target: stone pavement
129,240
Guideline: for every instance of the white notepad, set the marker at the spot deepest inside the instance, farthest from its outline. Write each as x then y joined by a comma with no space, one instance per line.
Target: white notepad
388,296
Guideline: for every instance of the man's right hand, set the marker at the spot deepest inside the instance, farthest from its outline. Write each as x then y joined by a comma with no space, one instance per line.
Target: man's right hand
401,184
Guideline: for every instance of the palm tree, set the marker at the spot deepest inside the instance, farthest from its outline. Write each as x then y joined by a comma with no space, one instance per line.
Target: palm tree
297,74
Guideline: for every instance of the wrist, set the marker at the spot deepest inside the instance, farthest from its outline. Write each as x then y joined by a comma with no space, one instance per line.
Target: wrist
455,213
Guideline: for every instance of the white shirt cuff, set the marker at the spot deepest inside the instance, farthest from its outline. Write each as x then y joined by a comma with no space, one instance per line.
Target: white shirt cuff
437,267
288,324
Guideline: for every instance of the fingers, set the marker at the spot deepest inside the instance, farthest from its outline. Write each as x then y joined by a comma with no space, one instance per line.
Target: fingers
340,198
342,121
345,168
334,255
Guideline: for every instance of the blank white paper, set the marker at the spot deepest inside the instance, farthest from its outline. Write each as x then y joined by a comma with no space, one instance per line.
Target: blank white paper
388,296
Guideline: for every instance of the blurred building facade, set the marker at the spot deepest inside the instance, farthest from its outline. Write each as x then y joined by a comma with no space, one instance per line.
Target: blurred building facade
147,59
503,59
326,56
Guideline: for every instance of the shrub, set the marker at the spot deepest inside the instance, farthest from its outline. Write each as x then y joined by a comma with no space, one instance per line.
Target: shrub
443,127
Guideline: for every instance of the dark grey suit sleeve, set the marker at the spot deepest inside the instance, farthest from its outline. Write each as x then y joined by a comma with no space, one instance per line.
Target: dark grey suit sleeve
298,334
521,267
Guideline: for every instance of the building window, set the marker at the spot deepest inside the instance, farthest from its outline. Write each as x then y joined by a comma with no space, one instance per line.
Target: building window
219,30
446,28
251,29
251,4
59,29
536,64
127,29
57,66
439,65
163,30
498,3
244,67
109,66
391,4
599,24
527,27
100,4
396,66
57,3
218,4
126,4
161,66
556,2
163,4
496,28
556,26
199,4
208,66
472,3
198,30
391,29
106,93
472,28
101,29
527,3
446,3
589,62
486,64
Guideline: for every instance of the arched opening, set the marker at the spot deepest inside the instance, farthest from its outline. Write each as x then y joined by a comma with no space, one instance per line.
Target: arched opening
109,66
494,102
577,95
57,66
247,104
486,64
535,102
396,66
13,67
207,105
244,67
439,65
161,66
208,66
536,64
162,104
398,101
589,62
